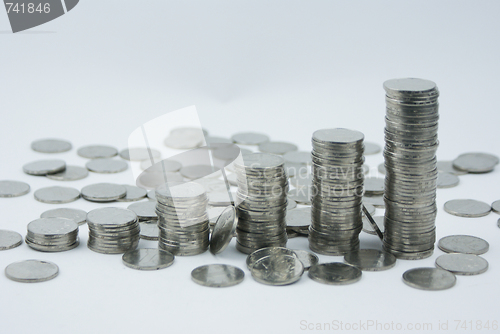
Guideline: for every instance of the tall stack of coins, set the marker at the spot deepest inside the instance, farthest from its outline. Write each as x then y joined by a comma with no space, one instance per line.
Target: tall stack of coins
182,218
337,191
411,142
261,202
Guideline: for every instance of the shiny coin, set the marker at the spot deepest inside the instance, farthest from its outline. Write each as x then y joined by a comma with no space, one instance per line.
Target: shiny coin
149,230
103,192
194,172
277,147
154,179
367,227
224,230
447,167
371,148
249,138
31,271
97,152
13,188
217,275
462,264
300,217
144,210
9,239
147,259
495,206
220,198
467,208
298,157
140,154
370,260
57,195
111,217
106,166
133,194
163,166
185,138
308,259
465,244
71,173
429,278
476,162
44,167
267,251
214,213
300,195
51,145
334,273
277,269
447,180
78,216
374,186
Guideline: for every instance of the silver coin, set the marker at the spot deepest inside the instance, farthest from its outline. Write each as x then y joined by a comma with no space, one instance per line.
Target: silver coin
249,138
163,166
447,180
71,173
367,227
334,273
210,141
381,168
185,138
267,251
106,166
139,154
97,152
409,86
31,271
465,244
374,186
277,147
462,264
217,275
300,217
447,167
277,269
111,217
298,157
221,198
308,259
495,206
152,195
467,208
152,180
194,172
77,215
376,201
103,192
476,162
44,167
133,194
9,239
183,131
57,195
13,188
214,213
291,204
212,184
149,230
147,259
370,259
300,195
429,279
371,148
224,230
144,210
51,145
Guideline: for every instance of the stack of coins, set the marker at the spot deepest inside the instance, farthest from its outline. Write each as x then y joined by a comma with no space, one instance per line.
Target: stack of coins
52,234
261,202
182,218
336,198
112,230
411,142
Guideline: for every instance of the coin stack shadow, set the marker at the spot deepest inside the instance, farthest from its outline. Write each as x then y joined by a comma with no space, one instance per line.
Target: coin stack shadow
182,218
411,168
261,202
52,234
337,191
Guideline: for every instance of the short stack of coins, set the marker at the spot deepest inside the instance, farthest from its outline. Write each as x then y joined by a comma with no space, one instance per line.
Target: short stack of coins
52,234
411,142
112,230
182,218
337,191
261,202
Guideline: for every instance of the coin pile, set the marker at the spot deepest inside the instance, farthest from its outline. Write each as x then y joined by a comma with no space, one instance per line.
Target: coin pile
337,191
411,142
261,202
112,230
52,234
182,218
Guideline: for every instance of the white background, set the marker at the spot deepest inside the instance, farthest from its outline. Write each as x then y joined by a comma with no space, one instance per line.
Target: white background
285,68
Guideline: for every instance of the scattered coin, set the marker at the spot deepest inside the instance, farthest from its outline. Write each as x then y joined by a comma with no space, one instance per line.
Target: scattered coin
224,230
185,138
71,173
57,195
212,184
97,152
371,148
144,210
495,206
51,145
217,140
447,180
77,215
277,147
367,227
334,273
106,166
163,166
371,260
153,180
103,192
13,188
465,244
217,275
298,157
249,138
9,239
140,154
194,172
300,195
149,230
476,162
462,264
133,194
467,208
277,269
429,279
44,167
300,217
374,186
447,167
267,251
308,259
52,234
147,259
31,271
376,201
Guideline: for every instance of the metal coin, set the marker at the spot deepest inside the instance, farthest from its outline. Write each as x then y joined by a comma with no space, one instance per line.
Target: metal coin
57,195
249,138
149,230
13,188
51,145
267,251
371,148
334,273
154,179
300,195
106,166
220,198
376,201
163,166
217,275
447,180
224,230
374,186
300,217
277,147
103,192
111,217
44,167
381,168
71,173
212,185
194,172
495,206
476,162
133,194
465,244
370,208
409,86
277,269
97,152
371,260
9,239
184,142
214,213
291,204
429,279
298,157
308,259
77,215
447,167
31,271
467,208
367,227
144,210
139,154
147,259
217,140
462,264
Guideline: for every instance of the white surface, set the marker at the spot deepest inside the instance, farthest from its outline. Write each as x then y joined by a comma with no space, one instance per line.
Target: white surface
285,68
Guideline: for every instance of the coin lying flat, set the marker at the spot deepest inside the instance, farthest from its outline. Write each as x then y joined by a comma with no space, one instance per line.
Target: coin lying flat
133,194
57,195
103,192
221,198
334,273
308,259
44,167
50,145
147,259
447,167
185,138
495,206
291,204
267,251
299,217
465,244
376,201
139,154
97,152
370,259
31,271
163,166
447,180
429,279
371,148
277,147
149,230
194,172
77,215
249,138
9,239
467,208
277,269
476,162
106,166
154,179
224,230
374,186
217,275
298,157
71,173
367,227
462,264
144,210
300,195
13,188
